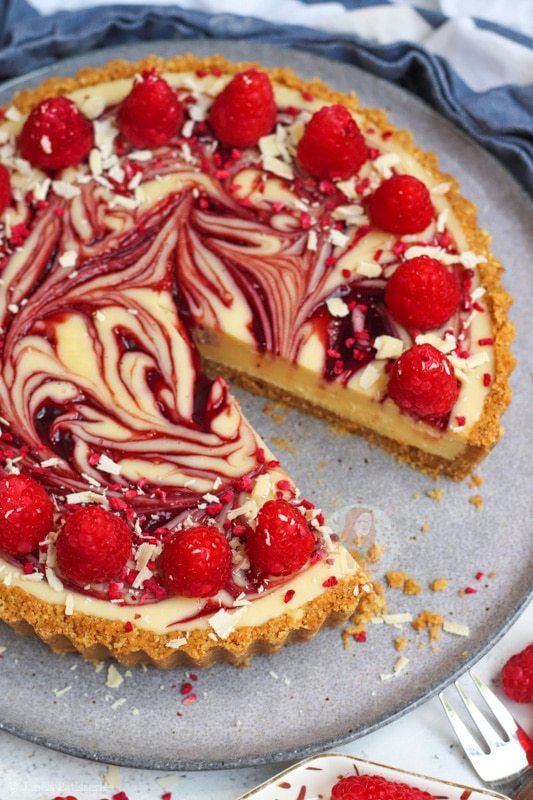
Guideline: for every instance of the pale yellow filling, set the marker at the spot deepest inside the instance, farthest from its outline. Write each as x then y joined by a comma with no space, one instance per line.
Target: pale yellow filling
351,403
233,321
165,616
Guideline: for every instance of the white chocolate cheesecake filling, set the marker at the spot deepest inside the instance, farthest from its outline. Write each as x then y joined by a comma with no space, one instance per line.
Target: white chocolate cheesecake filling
166,616
233,319
233,323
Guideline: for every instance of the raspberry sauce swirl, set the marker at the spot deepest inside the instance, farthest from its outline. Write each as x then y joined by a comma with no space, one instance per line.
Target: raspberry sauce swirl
112,268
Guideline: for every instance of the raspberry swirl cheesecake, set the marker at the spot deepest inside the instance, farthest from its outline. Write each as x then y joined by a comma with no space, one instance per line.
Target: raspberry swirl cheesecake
168,221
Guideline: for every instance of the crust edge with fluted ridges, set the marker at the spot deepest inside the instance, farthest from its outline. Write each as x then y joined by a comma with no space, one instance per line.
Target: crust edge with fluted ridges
24,613
96,638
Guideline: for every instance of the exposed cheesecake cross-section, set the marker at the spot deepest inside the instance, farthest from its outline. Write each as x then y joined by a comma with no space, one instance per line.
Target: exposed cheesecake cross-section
127,274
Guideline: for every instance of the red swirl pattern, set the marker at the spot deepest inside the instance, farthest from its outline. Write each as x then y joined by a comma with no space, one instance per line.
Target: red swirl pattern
100,296
134,389
98,361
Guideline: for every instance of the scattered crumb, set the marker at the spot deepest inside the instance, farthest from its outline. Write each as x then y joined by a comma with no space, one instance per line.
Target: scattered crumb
467,590
370,607
411,587
280,443
111,777
477,501
275,411
436,494
114,678
375,554
347,637
400,580
400,643
322,464
396,579
353,633
491,575
430,621
438,585
424,527
476,480
457,628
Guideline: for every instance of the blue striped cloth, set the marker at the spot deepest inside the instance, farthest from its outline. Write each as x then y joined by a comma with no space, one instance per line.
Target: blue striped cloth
498,115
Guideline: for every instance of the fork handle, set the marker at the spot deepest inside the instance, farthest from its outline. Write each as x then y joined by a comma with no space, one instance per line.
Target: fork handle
524,790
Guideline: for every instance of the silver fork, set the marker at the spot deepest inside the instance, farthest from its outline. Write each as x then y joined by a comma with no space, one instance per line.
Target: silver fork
505,767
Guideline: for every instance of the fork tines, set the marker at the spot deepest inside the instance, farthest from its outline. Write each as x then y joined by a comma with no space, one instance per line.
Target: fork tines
504,759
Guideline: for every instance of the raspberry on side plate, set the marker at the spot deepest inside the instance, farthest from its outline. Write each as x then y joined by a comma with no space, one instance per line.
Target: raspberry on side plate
282,541
151,114
422,382
55,135
422,293
5,188
26,514
245,110
332,145
196,562
374,787
93,546
401,205
517,676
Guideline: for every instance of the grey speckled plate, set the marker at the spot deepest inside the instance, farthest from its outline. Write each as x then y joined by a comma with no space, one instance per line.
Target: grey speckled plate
311,697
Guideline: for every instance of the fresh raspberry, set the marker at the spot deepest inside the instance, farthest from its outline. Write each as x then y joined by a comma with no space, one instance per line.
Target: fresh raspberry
5,188
55,135
93,546
402,204
282,541
422,294
151,114
245,110
332,145
26,514
374,787
422,382
196,562
517,676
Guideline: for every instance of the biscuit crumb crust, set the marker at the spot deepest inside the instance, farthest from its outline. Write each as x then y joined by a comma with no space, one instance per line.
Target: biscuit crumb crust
97,638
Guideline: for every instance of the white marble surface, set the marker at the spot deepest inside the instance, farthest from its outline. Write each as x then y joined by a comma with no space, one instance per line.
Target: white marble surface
421,741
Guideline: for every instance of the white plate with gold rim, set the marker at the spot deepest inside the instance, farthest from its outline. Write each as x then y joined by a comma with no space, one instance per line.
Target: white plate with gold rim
314,779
